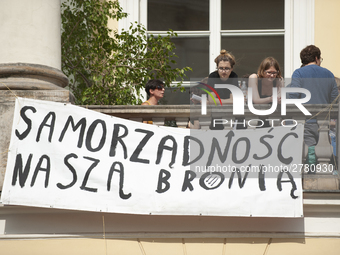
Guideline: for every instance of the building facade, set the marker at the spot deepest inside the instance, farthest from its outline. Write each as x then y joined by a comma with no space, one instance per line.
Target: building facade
242,27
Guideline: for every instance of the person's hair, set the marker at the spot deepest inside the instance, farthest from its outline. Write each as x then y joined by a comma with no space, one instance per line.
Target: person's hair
225,56
309,53
152,84
266,64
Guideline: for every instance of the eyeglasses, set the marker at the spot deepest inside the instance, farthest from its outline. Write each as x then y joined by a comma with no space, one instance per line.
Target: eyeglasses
271,73
160,87
226,69
321,59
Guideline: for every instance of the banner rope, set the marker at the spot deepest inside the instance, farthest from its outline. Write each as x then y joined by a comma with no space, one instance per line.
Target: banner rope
9,89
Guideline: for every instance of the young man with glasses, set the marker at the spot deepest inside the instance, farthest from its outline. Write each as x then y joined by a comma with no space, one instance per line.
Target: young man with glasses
322,86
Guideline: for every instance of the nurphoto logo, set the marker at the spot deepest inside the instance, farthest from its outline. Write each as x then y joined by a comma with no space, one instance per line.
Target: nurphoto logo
239,103
238,100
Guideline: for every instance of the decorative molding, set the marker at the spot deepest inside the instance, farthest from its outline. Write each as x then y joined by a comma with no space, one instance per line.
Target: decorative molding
25,76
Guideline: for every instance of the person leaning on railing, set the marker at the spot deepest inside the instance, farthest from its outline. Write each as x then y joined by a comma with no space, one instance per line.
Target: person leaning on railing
322,86
155,90
268,76
223,75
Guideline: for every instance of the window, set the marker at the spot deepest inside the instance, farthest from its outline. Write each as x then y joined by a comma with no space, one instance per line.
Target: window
178,15
246,28
251,30
190,19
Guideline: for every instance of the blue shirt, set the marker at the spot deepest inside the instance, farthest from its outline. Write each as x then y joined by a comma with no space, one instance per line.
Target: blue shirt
318,80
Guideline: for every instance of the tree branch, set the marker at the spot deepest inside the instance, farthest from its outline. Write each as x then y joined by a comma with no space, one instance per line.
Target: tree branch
88,83
68,37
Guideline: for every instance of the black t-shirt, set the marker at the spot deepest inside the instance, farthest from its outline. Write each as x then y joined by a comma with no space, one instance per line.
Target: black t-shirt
214,78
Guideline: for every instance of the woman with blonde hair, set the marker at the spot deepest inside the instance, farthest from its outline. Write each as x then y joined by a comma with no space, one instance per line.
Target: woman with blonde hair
268,77
224,75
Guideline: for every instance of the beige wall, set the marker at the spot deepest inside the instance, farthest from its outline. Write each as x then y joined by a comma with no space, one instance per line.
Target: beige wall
113,24
327,33
178,246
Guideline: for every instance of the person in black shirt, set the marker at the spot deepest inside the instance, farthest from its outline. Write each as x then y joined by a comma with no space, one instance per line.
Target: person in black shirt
223,75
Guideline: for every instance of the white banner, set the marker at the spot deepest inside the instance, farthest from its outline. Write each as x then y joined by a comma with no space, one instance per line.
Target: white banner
64,156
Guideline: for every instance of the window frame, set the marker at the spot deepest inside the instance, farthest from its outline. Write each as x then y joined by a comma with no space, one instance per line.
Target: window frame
298,28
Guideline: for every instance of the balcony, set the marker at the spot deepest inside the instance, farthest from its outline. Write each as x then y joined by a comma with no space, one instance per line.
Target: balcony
181,114
320,199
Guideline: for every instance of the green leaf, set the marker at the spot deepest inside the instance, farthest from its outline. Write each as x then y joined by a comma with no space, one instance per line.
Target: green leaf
105,67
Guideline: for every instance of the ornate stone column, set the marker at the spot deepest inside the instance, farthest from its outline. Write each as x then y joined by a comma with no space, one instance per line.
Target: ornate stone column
30,63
